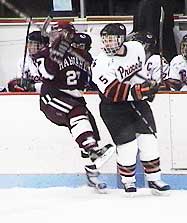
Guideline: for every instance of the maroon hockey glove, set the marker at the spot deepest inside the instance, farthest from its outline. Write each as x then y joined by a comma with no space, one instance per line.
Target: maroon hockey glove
60,46
144,90
16,85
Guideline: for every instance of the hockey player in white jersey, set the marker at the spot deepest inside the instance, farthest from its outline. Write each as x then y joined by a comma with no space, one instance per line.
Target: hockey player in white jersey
156,67
28,77
124,107
177,79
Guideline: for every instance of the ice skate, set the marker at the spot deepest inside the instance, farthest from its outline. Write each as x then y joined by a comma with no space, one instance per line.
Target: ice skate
92,175
130,189
101,156
159,188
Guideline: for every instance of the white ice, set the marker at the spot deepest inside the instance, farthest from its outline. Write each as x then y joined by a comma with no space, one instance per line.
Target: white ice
84,205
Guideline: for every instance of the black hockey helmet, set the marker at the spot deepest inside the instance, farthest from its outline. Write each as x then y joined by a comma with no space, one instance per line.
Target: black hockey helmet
113,35
82,41
183,46
147,39
36,42
36,36
114,29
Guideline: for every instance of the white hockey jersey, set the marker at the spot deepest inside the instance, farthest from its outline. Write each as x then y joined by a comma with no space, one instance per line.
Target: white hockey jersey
178,70
31,71
107,69
152,70
178,66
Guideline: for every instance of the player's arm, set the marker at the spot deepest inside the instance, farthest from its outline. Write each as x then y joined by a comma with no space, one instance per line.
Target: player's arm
116,91
174,81
104,77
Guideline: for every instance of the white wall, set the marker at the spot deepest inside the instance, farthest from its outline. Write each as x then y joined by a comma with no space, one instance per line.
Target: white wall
31,144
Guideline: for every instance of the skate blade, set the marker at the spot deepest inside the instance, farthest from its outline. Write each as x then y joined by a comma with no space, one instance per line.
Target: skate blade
98,189
141,192
130,194
160,193
101,191
100,161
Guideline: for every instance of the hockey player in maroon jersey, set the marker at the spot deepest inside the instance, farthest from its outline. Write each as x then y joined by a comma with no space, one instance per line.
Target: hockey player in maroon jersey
124,107
65,66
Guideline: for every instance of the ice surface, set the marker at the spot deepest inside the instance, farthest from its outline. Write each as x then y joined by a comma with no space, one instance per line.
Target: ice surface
84,205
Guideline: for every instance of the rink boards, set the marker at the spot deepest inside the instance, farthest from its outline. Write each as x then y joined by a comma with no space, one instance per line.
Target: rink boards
36,153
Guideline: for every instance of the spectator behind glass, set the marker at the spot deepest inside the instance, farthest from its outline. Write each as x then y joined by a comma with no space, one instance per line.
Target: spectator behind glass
147,19
177,79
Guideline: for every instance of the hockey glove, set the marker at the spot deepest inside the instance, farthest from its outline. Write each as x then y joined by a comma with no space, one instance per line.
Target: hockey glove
59,47
28,85
18,85
144,90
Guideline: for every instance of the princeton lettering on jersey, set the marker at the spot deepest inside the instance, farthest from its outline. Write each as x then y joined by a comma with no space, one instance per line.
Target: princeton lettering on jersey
130,69
74,61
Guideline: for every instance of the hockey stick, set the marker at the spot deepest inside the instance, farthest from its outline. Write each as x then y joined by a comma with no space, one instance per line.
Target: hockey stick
162,15
143,119
45,25
18,12
25,53
13,9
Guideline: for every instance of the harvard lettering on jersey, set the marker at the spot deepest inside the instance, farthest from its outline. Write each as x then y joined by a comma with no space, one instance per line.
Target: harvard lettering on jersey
70,74
113,74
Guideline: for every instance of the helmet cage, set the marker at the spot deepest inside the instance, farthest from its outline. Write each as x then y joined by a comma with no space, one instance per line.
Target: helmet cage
80,46
112,43
34,47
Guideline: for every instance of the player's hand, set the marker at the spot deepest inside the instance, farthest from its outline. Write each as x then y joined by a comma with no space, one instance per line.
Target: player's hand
59,47
21,85
144,90
15,85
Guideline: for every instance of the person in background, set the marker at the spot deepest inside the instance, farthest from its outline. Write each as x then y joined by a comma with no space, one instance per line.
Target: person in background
177,79
156,67
124,107
147,19
28,78
65,66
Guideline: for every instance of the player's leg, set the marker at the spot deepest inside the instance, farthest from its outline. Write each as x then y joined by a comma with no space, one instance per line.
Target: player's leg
147,144
64,110
83,133
126,164
118,120
150,159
